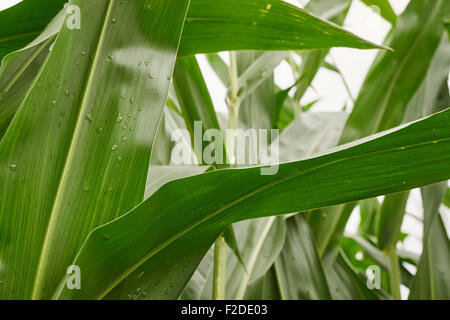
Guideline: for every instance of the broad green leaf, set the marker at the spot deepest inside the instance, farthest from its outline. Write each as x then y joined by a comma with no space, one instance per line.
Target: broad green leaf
432,277
369,210
299,270
200,284
260,242
259,25
160,175
328,225
308,134
149,239
378,257
87,125
257,88
206,17
232,242
22,23
345,283
395,76
390,219
433,94
241,24
19,69
266,288
383,7
195,103
193,95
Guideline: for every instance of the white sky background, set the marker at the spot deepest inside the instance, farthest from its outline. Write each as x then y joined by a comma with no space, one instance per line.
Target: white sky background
329,88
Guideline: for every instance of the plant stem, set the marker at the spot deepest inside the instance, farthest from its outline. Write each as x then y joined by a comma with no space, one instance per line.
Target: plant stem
394,276
220,256
220,253
233,106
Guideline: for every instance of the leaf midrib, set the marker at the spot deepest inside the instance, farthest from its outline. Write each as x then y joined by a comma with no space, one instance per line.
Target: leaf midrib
51,226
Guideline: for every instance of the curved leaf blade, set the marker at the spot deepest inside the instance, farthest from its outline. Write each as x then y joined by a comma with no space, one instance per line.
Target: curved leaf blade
209,206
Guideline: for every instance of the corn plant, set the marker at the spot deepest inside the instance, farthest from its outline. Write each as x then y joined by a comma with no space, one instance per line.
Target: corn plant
94,205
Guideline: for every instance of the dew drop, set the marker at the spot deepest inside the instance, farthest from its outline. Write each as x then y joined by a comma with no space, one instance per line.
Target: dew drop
113,20
119,118
169,78
88,117
151,76
119,159
83,53
114,147
54,103
99,130
67,93
86,188
124,138
12,167
131,100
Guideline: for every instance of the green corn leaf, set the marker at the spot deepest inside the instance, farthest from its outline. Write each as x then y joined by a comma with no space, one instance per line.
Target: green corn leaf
243,25
395,77
203,212
298,268
345,283
260,242
431,279
390,219
22,23
88,125
266,288
19,70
